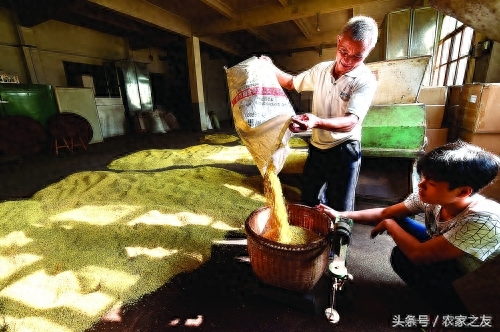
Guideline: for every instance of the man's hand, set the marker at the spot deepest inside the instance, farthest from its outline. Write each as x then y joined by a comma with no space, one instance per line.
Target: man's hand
266,58
299,123
304,122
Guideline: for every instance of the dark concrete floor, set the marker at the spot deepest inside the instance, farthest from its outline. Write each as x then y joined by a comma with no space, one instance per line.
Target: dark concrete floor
223,294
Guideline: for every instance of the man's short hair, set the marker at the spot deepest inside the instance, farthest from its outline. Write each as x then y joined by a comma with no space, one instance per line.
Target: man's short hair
362,28
460,164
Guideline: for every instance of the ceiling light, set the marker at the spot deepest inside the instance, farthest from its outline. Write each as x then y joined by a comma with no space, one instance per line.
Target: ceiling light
317,22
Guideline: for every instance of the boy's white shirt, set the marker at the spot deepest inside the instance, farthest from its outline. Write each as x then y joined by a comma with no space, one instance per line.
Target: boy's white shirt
476,230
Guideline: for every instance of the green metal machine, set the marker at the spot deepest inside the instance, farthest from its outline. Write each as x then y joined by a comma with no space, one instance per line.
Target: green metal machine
396,130
393,138
393,134
36,101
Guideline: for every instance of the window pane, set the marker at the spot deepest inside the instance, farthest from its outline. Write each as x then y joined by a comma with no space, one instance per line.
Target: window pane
435,78
452,55
451,73
398,32
456,46
424,32
438,55
442,71
466,41
462,66
448,26
446,51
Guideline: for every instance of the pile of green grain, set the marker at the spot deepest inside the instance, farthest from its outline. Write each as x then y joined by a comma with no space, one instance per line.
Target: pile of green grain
97,240
200,155
218,139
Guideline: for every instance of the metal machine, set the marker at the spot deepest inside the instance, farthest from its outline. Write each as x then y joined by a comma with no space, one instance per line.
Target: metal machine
340,238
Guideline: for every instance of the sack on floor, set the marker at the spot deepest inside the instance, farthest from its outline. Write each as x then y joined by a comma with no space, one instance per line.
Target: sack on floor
156,122
261,112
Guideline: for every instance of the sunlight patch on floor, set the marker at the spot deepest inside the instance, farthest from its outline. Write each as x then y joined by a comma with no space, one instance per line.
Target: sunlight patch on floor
42,291
17,238
112,281
232,154
96,215
157,252
11,264
180,219
38,324
225,227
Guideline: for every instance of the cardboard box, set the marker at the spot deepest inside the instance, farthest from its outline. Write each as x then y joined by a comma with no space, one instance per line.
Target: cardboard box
453,134
479,107
493,190
434,116
432,95
488,141
435,138
451,117
454,92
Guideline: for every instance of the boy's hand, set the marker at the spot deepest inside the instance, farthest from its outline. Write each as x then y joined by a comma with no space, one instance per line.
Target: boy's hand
328,210
379,229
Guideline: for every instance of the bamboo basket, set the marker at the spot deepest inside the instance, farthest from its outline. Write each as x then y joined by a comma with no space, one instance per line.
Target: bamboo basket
293,267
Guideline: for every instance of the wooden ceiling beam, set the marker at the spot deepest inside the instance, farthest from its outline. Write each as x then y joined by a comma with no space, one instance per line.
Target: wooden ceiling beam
303,27
274,13
220,7
148,13
298,22
80,9
300,43
261,35
221,44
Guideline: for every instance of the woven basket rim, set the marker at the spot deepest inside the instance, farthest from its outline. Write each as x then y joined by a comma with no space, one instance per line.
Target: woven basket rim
310,246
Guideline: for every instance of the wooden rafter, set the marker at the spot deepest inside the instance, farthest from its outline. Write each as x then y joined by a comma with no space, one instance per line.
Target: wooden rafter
220,7
275,13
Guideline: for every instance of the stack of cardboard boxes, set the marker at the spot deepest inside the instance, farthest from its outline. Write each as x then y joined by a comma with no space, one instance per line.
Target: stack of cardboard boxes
434,99
479,115
478,122
451,113
469,112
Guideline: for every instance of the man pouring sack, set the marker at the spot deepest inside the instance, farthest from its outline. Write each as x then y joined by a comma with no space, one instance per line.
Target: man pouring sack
343,92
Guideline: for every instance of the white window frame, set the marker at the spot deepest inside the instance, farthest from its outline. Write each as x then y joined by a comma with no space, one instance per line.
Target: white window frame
450,65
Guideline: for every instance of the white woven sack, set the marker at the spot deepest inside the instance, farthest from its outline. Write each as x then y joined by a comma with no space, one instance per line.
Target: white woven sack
261,112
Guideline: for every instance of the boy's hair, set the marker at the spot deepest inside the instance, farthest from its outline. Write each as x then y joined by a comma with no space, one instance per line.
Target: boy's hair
460,164
362,28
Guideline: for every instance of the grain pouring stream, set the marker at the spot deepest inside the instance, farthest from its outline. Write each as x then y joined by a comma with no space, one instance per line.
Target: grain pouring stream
262,113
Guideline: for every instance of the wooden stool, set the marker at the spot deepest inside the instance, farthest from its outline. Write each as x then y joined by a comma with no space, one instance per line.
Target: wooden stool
77,141
56,146
69,130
